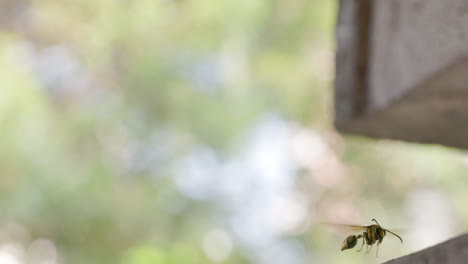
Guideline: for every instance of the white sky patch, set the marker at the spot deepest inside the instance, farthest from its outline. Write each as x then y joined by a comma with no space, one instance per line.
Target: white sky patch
42,251
8,258
197,174
289,213
432,219
268,154
11,254
256,189
311,151
283,252
269,207
217,245
308,148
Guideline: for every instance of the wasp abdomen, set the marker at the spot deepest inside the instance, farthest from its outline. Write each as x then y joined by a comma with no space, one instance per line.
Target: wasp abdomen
349,242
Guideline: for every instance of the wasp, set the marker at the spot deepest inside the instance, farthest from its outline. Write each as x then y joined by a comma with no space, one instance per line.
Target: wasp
372,234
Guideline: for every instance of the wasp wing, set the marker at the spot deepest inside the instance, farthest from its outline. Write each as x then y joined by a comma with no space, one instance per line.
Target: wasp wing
346,227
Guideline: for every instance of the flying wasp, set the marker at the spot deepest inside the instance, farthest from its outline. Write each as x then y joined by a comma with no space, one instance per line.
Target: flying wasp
371,235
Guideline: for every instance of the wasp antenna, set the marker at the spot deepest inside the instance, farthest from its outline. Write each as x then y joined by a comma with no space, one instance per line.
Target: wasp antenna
373,219
394,235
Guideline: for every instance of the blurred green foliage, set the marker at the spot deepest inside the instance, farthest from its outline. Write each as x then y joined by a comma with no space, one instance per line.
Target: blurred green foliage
104,103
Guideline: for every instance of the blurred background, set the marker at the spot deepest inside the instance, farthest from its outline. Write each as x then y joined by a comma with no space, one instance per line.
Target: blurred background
197,131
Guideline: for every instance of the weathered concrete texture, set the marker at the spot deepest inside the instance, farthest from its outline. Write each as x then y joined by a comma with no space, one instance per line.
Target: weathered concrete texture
413,82
434,112
352,58
454,251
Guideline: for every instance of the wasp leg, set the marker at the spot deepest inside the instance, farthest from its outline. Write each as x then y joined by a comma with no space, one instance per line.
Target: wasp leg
377,252
367,252
363,241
